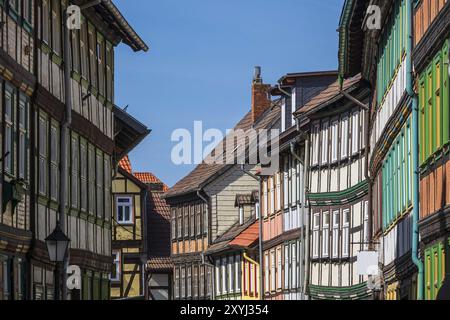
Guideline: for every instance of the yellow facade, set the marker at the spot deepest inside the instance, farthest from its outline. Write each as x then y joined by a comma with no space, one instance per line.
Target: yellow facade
127,237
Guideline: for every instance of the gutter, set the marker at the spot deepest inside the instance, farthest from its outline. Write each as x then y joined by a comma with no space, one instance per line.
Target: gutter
415,146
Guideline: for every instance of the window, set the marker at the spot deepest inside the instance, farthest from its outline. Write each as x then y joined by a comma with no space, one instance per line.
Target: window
231,274
202,281
218,277
241,215
294,104
278,192
124,206
272,271
75,172
177,283
287,262
315,144
344,137
84,50
195,282
42,156
107,186
83,173
91,179
92,55
325,234
224,274
45,21
346,233
189,282
192,221
116,270
265,199
279,268
366,225
180,223
198,219
266,273
324,143
237,269
355,132
205,219
316,230
54,162
183,283
23,140
334,140
186,222
286,183
99,185
173,231
9,131
336,225
56,26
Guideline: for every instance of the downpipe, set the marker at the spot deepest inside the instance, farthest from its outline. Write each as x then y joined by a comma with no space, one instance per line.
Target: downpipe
415,161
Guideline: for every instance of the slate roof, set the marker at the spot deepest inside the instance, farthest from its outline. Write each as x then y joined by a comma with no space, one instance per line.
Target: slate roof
203,172
328,94
246,199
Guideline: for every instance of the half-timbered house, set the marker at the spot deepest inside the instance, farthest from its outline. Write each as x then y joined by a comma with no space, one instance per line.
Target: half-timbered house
337,190
17,84
98,135
284,205
128,233
431,62
382,54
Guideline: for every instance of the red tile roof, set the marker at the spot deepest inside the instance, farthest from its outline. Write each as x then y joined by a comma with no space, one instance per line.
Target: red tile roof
247,237
147,177
159,264
125,164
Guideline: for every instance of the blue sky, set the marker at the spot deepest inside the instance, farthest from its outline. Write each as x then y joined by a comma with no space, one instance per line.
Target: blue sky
201,59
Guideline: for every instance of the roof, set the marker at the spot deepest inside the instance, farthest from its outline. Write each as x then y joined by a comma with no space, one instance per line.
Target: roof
159,264
129,132
125,164
291,77
328,94
248,237
203,173
116,22
246,199
158,225
224,241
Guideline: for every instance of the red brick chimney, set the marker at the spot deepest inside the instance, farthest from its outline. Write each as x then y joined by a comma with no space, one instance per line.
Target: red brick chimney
260,95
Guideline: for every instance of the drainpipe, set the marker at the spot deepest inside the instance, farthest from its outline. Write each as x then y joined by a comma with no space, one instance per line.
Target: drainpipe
302,219
67,121
415,146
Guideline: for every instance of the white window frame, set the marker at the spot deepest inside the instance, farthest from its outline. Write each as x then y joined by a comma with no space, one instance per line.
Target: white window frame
286,267
336,227
366,224
334,140
355,132
346,217
123,204
315,144
344,136
279,268
326,234
273,283
316,235
241,215
266,272
325,138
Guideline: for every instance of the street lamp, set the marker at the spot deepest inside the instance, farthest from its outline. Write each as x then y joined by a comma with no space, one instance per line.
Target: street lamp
57,244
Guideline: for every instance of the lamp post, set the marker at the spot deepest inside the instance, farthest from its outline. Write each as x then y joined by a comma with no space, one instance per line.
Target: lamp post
57,244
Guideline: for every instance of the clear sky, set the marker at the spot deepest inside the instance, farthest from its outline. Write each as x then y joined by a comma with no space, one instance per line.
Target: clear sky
201,59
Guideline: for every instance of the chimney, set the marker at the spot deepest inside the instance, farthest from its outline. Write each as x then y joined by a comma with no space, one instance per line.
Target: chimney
260,95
